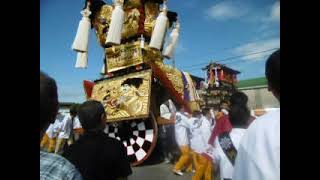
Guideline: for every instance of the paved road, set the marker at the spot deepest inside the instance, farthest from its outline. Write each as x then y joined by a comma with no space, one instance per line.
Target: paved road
161,171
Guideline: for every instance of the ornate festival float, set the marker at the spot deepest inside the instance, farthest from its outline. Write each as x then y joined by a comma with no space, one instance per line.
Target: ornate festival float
135,80
220,85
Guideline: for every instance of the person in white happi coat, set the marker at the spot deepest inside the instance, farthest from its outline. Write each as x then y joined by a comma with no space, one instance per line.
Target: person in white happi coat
259,151
226,145
77,128
66,128
52,133
166,132
200,128
182,139
49,139
208,123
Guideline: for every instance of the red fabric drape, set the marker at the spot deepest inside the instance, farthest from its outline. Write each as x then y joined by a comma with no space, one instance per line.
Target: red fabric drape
222,125
159,74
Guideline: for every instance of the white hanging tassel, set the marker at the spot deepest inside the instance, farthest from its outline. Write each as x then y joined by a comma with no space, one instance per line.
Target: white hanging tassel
115,28
81,41
103,69
170,49
159,30
216,81
82,60
142,40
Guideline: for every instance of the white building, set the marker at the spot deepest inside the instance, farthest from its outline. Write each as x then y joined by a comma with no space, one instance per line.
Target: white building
258,94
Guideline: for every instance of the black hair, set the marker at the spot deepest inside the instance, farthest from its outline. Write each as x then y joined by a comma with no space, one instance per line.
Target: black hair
273,71
239,98
221,105
90,113
74,109
205,111
239,116
133,81
48,100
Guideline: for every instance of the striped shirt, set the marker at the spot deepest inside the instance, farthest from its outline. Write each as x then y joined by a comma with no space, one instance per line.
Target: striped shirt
55,167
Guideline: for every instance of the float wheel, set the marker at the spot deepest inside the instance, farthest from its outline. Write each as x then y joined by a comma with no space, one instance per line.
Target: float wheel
138,136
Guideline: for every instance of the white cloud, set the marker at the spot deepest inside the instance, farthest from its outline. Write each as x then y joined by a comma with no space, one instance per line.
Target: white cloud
225,10
275,12
258,46
273,15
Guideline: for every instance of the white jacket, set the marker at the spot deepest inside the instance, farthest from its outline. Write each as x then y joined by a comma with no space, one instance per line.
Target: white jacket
219,157
52,131
76,123
200,133
258,155
164,111
181,126
206,128
66,127
54,128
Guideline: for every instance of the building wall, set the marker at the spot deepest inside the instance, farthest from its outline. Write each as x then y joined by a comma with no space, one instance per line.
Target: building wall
261,98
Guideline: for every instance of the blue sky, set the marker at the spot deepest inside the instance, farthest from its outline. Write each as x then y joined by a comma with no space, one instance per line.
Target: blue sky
210,30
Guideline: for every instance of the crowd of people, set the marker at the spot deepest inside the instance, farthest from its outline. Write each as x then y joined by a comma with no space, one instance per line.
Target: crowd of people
226,143
93,156
62,132
196,136
229,142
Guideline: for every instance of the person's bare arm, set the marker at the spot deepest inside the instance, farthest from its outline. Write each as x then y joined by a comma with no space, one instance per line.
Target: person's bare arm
162,121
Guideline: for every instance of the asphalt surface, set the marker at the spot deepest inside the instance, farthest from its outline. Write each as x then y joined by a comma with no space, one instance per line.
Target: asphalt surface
161,171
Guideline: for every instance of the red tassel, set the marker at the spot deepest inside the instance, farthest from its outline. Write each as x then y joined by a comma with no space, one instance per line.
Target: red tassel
222,125
88,87
222,75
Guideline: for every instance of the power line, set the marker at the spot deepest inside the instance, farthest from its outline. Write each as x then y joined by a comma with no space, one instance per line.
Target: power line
228,63
232,57
234,62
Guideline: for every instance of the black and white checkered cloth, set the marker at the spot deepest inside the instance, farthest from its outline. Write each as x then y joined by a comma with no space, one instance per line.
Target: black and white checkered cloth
140,140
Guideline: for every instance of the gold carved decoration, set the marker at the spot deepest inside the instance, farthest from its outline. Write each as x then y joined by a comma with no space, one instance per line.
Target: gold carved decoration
174,75
130,54
131,23
194,106
124,97
132,4
101,23
123,56
151,11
